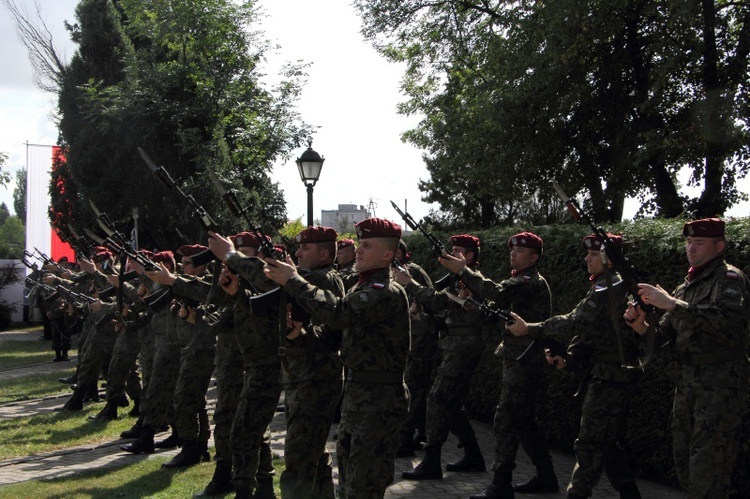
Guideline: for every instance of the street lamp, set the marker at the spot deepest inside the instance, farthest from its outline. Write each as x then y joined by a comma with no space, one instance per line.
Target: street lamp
309,165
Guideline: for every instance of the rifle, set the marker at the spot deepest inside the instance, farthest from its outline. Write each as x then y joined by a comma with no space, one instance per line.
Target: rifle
438,246
44,259
628,273
483,306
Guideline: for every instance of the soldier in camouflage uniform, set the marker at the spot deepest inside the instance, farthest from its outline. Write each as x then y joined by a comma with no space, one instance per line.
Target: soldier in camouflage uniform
374,317
596,351
197,344
259,323
706,322
345,262
312,377
420,363
524,367
461,350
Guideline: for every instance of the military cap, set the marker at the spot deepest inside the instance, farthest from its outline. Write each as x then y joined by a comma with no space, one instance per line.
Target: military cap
526,240
98,249
464,241
706,227
592,242
246,240
163,257
377,227
191,249
104,253
316,235
343,243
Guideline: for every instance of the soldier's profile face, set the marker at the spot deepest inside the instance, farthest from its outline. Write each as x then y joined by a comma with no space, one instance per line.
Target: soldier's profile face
522,258
467,253
308,255
372,253
701,250
594,264
345,255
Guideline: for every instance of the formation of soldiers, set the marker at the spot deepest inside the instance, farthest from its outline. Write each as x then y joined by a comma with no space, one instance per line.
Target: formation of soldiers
366,335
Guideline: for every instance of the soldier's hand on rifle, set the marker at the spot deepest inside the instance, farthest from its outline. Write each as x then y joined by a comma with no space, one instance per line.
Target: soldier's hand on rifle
162,276
518,328
656,296
219,245
278,271
87,265
452,263
558,361
96,306
136,266
49,279
114,280
403,277
229,281
635,317
50,267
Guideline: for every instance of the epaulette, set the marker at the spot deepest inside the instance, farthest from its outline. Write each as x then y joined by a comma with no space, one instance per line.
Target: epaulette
378,285
731,274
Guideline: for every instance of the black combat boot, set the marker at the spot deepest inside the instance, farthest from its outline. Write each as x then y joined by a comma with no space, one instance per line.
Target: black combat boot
188,456
545,481
144,444
136,410
70,380
500,488
428,469
58,356
242,492
472,460
170,442
123,400
405,446
75,402
265,488
134,431
203,451
221,482
108,413
64,356
630,492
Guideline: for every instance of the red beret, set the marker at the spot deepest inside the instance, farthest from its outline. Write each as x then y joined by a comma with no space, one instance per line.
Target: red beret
526,240
99,249
592,242
707,227
465,241
377,227
103,254
246,240
343,243
191,249
163,257
316,235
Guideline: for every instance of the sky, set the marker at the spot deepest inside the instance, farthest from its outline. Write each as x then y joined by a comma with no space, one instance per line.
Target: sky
351,95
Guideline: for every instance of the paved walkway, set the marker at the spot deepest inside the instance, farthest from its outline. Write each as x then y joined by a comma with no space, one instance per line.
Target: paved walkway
453,485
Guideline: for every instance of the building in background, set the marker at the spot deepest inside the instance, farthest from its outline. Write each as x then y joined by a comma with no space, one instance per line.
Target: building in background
344,218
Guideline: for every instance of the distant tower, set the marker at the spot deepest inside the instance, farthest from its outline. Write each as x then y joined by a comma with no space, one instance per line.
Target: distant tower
371,208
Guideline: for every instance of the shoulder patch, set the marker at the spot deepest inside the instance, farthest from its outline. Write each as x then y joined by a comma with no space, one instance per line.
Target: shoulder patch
731,274
527,277
363,297
731,292
378,285
591,303
600,287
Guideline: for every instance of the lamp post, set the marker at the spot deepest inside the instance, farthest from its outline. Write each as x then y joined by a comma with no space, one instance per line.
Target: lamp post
309,165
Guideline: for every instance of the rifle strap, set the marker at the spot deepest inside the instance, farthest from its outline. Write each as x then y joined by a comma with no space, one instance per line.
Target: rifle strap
282,328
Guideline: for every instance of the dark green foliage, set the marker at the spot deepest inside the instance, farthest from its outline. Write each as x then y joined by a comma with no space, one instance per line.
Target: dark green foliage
656,248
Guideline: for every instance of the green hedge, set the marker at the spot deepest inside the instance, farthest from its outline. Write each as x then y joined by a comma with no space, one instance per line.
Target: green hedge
656,248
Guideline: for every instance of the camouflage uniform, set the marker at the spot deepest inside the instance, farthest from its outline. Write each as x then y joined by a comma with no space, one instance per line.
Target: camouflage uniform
461,348
710,340
348,275
374,317
258,340
600,443
527,294
420,362
312,389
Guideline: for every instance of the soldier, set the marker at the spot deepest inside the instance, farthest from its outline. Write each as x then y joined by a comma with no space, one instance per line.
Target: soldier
461,349
312,377
524,367
197,344
706,321
420,363
604,348
374,317
345,262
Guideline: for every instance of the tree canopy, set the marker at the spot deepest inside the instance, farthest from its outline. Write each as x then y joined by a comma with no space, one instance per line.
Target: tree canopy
609,97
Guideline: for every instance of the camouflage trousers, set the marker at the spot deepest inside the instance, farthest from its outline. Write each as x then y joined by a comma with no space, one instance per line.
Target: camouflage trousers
366,453
515,421
309,407
251,437
229,371
418,377
157,405
122,374
146,356
705,426
445,403
96,355
600,443
196,368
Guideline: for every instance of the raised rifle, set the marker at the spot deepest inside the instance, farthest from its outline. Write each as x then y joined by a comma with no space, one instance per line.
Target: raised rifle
628,273
488,310
44,259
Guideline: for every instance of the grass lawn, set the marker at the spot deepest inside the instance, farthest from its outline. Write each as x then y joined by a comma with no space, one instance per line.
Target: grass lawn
35,386
143,479
25,353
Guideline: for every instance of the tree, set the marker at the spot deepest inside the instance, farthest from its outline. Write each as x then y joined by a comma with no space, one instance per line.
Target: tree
4,175
12,238
180,80
19,195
